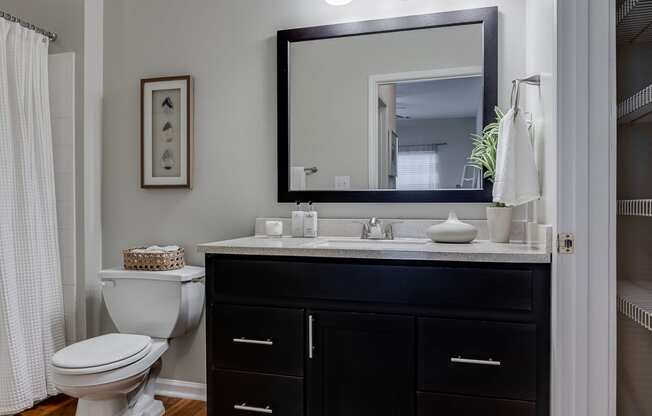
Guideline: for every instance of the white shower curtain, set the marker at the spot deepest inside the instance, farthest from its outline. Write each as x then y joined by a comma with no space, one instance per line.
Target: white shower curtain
31,299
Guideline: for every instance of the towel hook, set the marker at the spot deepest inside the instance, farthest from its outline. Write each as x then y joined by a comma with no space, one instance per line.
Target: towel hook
516,90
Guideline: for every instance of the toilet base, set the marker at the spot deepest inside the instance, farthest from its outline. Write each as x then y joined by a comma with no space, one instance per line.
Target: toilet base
138,401
105,407
118,407
151,408
143,402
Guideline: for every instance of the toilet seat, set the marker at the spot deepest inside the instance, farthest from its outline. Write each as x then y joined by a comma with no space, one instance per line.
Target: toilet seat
103,353
133,366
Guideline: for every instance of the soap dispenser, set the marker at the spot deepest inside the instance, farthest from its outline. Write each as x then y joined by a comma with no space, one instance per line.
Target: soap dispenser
310,222
298,216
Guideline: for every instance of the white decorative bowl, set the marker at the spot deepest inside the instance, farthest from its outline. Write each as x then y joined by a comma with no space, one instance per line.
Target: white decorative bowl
452,231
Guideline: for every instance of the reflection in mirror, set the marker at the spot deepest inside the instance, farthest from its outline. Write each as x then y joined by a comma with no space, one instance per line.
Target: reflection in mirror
427,144
388,111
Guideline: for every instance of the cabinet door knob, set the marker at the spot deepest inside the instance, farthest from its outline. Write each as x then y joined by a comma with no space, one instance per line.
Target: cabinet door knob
268,342
460,360
253,409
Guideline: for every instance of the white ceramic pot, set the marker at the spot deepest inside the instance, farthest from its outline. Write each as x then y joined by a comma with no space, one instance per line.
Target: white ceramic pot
452,231
500,223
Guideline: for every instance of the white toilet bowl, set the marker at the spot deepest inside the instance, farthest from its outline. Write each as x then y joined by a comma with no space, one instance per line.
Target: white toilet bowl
103,373
115,374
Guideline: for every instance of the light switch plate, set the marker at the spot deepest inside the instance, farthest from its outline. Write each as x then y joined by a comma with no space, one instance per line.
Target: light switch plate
342,182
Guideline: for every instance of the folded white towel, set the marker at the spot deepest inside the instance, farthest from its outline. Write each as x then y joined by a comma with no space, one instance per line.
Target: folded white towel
297,178
517,177
157,249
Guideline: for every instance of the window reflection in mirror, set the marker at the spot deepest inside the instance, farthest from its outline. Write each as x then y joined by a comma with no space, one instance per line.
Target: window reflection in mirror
389,111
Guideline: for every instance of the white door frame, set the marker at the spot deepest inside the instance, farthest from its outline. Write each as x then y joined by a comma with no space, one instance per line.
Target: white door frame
377,79
584,312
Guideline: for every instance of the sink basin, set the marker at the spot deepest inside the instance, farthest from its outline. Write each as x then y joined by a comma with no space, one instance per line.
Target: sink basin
360,244
370,241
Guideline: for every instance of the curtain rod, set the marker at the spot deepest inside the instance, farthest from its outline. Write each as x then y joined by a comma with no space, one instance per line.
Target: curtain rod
50,35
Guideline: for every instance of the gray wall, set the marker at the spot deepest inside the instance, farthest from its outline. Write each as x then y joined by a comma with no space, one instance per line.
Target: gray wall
66,18
454,131
229,47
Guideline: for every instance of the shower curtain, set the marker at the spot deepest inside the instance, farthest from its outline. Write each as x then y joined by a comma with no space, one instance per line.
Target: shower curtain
31,299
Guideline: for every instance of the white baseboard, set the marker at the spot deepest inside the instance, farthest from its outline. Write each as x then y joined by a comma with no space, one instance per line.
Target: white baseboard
181,389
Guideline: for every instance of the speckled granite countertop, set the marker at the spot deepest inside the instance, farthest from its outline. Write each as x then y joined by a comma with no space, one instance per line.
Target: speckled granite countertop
399,249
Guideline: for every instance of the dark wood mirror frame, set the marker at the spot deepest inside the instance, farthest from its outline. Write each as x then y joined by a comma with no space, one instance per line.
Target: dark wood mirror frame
488,17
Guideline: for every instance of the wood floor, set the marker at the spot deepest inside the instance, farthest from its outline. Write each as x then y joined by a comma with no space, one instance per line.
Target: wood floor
65,406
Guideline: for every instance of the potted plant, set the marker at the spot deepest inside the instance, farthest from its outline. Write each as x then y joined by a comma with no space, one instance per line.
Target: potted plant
483,156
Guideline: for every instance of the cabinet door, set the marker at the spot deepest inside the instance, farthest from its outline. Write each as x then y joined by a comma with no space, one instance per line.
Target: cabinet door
360,365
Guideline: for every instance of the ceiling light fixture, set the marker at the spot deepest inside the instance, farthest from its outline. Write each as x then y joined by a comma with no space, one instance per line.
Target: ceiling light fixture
338,2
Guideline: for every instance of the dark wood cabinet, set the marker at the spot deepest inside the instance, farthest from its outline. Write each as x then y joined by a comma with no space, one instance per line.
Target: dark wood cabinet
264,340
361,365
355,337
429,404
237,393
428,284
477,358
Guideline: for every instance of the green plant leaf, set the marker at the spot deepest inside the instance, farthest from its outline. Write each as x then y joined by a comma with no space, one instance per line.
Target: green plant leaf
483,155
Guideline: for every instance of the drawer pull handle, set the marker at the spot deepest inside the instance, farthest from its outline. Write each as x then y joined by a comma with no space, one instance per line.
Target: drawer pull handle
243,340
311,347
246,408
460,360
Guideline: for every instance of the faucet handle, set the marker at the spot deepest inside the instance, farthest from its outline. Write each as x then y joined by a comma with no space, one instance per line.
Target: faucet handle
365,229
389,229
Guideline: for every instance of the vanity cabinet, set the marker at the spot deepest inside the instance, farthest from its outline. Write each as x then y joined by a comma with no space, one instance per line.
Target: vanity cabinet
339,337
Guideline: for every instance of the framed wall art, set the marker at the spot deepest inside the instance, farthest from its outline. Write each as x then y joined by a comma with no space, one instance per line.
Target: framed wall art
166,132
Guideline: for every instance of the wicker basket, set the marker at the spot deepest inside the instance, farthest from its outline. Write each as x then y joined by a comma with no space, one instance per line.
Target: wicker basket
172,260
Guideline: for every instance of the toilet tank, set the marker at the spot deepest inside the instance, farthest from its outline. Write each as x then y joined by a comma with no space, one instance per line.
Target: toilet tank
159,304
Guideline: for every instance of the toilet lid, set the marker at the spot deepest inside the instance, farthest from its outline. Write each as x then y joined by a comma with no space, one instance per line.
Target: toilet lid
102,353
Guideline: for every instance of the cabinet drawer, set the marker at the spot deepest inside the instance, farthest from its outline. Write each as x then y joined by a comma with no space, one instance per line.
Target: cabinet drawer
477,358
266,340
429,404
471,286
235,393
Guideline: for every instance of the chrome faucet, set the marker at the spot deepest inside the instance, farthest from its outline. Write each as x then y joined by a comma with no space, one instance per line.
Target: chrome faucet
374,230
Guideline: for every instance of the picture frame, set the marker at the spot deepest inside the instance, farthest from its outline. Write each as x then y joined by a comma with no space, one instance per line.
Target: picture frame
166,139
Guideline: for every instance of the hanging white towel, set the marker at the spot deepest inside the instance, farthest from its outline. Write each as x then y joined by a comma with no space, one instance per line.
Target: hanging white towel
517,177
297,178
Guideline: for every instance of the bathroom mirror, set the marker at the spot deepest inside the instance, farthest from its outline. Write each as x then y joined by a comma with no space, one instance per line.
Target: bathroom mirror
385,110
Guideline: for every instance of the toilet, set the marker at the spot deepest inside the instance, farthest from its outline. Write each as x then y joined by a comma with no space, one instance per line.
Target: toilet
115,374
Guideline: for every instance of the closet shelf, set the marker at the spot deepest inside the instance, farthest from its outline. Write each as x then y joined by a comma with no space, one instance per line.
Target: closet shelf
635,301
637,108
635,207
633,18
